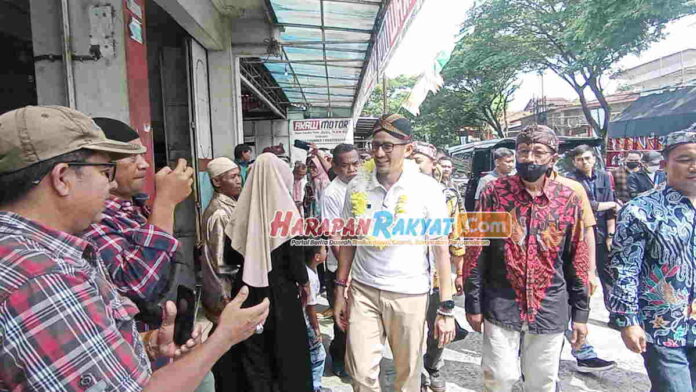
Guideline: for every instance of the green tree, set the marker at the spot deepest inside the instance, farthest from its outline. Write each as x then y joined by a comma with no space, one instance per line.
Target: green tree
443,115
397,92
480,77
479,84
579,40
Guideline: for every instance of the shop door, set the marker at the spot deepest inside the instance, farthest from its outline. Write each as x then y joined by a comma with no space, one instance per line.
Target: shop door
200,115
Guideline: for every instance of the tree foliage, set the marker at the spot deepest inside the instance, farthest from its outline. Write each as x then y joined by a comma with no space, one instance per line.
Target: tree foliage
479,81
397,92
481,76
442,116
579,40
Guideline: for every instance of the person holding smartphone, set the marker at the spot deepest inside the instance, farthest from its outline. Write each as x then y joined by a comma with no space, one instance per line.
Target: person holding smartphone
136,242
65,325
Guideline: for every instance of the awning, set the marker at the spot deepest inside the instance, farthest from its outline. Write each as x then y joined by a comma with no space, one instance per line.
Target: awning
332,50
656,114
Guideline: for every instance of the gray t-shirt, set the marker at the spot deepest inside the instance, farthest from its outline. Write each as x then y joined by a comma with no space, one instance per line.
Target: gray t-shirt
484,181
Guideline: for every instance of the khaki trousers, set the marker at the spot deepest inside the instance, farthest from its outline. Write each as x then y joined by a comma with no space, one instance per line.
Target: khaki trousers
374,316
505,350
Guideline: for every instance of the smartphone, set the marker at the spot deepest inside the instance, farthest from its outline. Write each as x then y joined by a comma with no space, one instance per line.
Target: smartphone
185,314
302,144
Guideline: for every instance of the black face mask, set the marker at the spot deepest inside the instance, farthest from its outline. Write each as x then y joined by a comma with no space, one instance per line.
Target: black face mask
632,165
530,171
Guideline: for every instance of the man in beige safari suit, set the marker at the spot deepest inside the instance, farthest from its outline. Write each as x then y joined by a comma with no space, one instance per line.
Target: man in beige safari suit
216,276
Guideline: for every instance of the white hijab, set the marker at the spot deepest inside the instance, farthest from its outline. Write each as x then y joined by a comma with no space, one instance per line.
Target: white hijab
267,190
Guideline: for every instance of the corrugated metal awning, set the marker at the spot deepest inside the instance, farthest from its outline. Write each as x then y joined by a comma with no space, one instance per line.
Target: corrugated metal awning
324,47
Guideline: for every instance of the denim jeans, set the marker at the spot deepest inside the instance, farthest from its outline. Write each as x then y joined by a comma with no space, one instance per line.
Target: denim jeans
318,357
585,352
671,369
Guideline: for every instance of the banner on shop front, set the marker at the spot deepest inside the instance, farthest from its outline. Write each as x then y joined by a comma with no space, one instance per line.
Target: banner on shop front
397,18
324,132
617,147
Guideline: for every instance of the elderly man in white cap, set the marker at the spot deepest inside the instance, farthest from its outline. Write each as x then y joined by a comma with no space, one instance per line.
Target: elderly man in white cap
217,277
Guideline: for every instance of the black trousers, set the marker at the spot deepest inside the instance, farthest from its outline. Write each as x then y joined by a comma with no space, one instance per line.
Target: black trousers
337,348
605,278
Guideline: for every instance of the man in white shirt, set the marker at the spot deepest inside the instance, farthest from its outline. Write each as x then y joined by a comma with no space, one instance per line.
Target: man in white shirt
345,163
390,284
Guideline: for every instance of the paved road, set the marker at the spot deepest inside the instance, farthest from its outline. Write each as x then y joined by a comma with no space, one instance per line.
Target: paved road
462,361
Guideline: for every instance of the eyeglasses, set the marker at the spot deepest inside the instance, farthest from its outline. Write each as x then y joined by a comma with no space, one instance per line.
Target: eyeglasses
386,147
109,170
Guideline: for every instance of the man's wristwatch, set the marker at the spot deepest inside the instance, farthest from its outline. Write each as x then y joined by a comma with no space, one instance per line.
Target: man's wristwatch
447,305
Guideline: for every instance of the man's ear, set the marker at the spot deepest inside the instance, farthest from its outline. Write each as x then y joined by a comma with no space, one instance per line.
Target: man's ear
216,182
555,157
59,178
408,151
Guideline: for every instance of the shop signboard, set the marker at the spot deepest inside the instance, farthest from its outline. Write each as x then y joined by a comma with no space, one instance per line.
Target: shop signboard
324,132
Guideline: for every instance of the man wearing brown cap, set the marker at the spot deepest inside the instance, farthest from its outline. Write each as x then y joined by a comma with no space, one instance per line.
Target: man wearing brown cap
216,274
65,326
653,257
390,284
135,242
522,285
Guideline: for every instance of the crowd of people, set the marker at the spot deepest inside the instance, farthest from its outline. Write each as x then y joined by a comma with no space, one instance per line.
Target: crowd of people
89,263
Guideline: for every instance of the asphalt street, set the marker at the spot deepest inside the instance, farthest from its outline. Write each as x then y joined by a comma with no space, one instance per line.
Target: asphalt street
462,360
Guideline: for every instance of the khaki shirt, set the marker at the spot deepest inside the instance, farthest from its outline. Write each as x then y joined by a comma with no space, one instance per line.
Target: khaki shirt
216,275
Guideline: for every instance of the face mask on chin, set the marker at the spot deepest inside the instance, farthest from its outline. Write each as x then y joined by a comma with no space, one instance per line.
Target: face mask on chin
632,165
530,171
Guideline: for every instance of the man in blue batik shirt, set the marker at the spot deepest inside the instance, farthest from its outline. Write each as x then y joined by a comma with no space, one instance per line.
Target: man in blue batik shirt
653,263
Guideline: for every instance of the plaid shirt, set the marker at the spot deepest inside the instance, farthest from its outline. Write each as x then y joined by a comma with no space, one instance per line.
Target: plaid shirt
63,325
620,175
137,254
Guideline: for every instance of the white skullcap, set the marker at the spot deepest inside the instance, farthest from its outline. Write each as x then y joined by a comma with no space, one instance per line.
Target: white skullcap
219,166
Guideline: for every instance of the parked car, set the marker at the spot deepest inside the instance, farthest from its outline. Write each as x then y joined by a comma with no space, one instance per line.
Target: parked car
474,160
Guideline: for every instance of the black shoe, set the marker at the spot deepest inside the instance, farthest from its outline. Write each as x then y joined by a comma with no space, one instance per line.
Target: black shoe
339,370
594,365
437,382
322,389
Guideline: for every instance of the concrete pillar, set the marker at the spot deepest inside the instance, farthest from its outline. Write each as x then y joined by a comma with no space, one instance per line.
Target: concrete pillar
100,88
225,102
47,40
